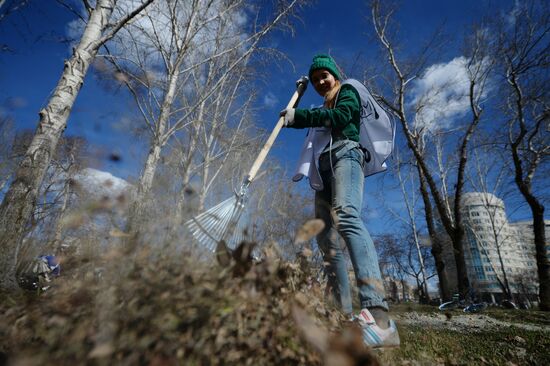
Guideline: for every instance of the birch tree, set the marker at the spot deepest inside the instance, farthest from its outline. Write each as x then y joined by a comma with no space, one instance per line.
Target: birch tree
176,44
409,221
9,6
103,22
45,231
491,181
435,237
393,262
7,161
524,49
404,72
223,132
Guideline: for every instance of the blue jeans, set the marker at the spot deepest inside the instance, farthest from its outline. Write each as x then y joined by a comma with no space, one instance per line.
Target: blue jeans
339,205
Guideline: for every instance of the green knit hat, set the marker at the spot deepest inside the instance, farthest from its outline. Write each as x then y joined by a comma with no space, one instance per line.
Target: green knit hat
324,62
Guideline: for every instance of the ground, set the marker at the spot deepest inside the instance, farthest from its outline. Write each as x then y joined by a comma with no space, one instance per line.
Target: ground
495,337
169,308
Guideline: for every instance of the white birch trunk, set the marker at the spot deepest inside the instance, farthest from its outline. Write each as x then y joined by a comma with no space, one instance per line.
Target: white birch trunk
180,203
21,196
186,169
18,204
59,227
148,174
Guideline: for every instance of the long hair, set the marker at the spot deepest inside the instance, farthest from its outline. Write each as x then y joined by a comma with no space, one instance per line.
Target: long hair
330,96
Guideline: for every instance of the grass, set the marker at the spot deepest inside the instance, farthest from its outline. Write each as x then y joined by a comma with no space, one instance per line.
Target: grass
520,316
428,345
411,306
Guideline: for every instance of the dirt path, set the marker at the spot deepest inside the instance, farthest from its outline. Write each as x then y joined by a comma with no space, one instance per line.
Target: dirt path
462,322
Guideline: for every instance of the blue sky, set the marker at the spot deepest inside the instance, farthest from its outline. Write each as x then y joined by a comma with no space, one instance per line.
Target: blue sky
34,35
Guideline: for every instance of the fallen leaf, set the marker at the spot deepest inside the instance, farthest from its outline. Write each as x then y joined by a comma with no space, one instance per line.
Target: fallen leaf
307,253
101,350
309,230
117,233
520,352
223,254
74,220
301,299
314,334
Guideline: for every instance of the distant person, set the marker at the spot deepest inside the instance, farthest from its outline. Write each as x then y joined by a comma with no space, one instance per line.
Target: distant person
38,273
339,196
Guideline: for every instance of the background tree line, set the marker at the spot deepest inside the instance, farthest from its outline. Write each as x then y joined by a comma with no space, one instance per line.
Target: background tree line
504,62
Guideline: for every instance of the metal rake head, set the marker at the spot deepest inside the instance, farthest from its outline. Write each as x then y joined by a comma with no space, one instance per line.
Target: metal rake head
221,222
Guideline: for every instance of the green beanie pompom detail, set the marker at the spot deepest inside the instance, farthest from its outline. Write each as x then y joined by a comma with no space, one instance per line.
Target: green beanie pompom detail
324,62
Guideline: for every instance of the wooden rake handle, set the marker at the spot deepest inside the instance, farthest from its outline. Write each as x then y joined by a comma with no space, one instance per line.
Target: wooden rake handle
301,86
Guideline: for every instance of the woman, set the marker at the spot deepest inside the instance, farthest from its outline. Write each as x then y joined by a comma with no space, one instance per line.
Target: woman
338,203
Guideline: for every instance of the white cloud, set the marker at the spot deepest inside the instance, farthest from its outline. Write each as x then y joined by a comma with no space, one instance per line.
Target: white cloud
97,184
146,45
139,42
442,93
270,100
512,16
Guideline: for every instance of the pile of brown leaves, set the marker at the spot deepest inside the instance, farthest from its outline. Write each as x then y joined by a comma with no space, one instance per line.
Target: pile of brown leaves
167,309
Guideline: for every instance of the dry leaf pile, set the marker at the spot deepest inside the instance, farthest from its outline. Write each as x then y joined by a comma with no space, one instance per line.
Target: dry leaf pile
168,309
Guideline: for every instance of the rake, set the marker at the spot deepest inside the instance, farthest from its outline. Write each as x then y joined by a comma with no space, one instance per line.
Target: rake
221,224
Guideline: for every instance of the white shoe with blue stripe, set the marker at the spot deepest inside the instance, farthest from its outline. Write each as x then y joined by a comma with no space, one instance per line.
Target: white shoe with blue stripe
373,335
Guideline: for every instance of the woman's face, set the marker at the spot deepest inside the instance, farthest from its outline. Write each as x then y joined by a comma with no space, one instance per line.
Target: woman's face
323,81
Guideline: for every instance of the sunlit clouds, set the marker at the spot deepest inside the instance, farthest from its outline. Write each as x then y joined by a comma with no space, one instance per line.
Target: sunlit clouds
270,100
441,94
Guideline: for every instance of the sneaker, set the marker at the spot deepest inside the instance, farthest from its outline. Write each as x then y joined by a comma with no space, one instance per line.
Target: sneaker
373,335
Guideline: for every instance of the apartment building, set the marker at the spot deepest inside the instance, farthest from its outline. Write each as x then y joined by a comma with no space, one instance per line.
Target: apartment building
496,252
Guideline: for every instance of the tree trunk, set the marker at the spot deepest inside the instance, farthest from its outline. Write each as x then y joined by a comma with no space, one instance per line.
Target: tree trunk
137,210
461,273
543,263
424,283
19,202
542,255
437,250
180,202
59,227
504,283
523,182
185,172
157,142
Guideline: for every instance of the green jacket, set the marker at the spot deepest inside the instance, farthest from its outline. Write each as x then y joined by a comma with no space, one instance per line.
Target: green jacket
344,119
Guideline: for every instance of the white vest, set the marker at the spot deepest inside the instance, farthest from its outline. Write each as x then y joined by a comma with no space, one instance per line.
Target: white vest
376,135
316,140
